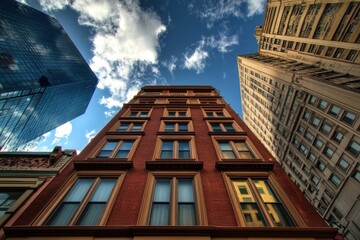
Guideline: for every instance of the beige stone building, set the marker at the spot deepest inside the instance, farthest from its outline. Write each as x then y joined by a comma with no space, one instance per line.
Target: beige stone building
301,97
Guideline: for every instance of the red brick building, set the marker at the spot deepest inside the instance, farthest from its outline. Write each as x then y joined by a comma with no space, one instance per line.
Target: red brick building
175,163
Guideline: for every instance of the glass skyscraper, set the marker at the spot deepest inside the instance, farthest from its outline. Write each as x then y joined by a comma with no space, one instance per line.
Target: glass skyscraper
44,80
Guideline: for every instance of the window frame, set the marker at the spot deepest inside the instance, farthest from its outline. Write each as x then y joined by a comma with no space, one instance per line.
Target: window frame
65,189
276,187
175,150
130,127
163,123
119,138
251,148
146,203
177,111
138,112
222,126
214,113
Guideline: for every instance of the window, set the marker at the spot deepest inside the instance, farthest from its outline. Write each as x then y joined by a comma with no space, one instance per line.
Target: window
311,157
353,148
312,100
321,166
176,127
164,200
315,180
176,113
218,113
337,136
7,199
309,136
116,149
175,149
139,114
343,164
130,127
259,205
316,121
234,150
84,204
348,118
328,151
306,115
334,110
351,55
334,179
222,127
356,175
326,128
323,104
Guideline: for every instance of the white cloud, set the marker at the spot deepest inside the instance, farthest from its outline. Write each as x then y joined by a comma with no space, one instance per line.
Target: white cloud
90,135
125,44
62,132
223,42
214,12
171,64
49,5
196,60
255,7
23,2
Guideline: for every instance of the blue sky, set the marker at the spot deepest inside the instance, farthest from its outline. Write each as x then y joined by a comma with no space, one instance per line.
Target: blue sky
129,44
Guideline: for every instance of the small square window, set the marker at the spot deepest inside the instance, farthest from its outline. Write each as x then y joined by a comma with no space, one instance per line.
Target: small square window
353,148
321,166
316,121
337,136
312,100
318,143
323,104
328,151
356,175
334,110
335,180
306,116
343,164
315,180
348,118
311,157
325,128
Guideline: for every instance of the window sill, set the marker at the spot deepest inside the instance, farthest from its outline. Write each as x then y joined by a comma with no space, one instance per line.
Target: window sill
227,133
103,164
244,165
175,133
126,133
174,164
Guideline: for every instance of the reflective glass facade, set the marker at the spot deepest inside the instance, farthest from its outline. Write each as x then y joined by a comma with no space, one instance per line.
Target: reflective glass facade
44,80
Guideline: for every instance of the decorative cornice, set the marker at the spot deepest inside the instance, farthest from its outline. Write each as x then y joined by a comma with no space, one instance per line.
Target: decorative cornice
174,165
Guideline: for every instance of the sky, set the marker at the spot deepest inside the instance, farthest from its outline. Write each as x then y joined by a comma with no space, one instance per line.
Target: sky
132,43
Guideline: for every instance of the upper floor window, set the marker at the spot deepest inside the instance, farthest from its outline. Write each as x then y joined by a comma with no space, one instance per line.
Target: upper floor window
234,149
169,126
116,149
139,114
216,114
84,204
353,147
343,164
259,204
348,117
334,110
130,127
222,127
182,147
176,113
